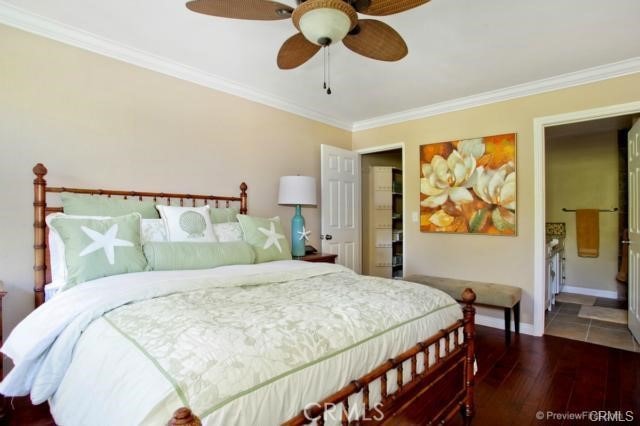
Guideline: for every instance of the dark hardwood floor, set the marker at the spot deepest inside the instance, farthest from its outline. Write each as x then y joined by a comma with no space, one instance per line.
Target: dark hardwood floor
539,375
20,411
515,384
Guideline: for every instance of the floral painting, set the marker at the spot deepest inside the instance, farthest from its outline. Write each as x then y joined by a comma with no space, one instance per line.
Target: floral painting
469,186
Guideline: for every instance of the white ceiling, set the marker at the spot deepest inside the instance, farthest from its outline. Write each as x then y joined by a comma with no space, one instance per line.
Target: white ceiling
457,48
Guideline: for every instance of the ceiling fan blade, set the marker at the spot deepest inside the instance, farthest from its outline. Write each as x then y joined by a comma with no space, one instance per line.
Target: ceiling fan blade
386,7
376,40
296,51
260,10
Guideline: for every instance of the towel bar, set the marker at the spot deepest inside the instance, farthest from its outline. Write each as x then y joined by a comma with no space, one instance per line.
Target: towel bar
615,209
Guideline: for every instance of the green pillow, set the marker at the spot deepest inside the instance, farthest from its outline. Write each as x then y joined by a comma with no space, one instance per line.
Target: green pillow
96,248
166,256
97,205
224,214
266,237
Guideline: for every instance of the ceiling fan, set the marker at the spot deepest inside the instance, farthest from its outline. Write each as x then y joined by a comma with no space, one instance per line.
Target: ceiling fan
322,23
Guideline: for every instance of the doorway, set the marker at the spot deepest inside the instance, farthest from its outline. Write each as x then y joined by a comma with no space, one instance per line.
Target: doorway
586,223
539,126
382,207
343,209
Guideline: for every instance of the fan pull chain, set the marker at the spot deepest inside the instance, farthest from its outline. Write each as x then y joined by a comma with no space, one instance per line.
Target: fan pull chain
324,67
328,70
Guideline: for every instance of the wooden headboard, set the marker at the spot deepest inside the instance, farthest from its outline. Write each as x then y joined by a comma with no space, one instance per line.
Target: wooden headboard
42,273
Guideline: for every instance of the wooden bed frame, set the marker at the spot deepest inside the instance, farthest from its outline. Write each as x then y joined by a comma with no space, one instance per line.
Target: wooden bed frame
442,389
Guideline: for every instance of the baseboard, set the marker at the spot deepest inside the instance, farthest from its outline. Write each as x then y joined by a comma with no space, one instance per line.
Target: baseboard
608,294
493,322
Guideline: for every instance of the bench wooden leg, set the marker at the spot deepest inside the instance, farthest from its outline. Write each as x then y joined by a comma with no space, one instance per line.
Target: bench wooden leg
516,317
507,325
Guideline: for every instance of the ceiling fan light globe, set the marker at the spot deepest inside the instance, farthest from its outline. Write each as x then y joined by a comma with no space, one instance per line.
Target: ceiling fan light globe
320,25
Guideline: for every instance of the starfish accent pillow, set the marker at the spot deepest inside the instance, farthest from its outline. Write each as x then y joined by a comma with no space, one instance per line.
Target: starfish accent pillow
151,230
96,248
57,262
266,237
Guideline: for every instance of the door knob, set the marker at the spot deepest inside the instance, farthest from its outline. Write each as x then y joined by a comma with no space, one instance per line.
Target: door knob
625,242
328,237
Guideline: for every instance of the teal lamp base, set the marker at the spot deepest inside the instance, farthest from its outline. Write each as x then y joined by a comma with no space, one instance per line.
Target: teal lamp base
297,225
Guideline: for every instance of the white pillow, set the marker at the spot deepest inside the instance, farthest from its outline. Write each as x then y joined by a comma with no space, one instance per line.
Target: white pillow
187,223
51,289
228,232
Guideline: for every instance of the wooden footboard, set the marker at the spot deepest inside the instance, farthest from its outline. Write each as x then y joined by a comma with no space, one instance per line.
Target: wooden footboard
434,388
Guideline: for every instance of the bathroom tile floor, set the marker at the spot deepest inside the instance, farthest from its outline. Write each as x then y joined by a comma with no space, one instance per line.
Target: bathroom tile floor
563,321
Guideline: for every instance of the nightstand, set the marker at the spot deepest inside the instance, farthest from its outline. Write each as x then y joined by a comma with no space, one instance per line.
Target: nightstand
318,257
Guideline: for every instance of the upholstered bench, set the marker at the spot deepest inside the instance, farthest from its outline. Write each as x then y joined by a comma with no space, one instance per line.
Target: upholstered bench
503,296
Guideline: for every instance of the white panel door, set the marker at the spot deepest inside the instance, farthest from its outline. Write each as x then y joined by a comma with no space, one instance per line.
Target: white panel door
634,231
340,189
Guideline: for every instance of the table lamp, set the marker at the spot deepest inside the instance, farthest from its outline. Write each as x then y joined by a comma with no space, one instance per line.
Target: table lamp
297,191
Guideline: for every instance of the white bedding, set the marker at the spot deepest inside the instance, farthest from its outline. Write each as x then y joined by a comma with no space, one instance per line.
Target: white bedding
83,354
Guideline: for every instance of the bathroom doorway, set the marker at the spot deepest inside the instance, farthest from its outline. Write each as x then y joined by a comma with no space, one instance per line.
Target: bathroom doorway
586,217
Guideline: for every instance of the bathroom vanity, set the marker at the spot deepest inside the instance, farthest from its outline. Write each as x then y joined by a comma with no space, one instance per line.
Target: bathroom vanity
555,262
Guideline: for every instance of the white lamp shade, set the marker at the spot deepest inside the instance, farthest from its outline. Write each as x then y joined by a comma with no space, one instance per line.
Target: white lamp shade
297,190
325,23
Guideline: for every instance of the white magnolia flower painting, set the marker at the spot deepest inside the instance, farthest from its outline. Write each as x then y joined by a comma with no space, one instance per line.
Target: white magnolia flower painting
469,186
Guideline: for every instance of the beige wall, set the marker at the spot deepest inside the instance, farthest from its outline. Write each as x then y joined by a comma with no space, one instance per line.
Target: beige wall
387,158
98,122
507,260
582,172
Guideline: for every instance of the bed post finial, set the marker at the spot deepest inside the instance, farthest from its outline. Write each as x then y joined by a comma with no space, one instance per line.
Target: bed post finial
184,417
39,170
243,198
39,243
469,312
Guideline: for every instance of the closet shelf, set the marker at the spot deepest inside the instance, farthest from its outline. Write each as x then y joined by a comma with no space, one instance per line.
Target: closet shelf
386,228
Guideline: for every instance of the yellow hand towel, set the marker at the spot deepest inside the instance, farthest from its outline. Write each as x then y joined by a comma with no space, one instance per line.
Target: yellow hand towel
588,232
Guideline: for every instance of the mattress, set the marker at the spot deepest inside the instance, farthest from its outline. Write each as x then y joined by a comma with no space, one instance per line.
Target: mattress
242,345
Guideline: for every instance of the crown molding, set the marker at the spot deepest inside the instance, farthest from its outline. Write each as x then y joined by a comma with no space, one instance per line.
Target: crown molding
19,18
577,78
